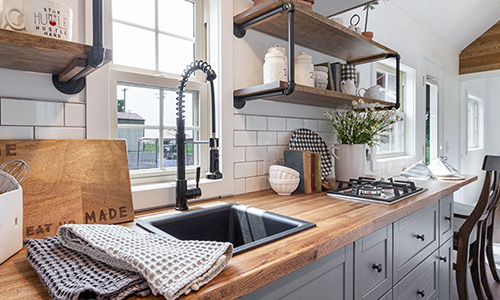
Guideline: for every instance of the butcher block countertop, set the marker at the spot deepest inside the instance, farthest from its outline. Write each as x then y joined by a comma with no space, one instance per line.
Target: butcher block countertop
339,222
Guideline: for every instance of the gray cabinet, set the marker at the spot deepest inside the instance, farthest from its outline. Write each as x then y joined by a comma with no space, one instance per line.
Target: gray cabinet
421,283
373,265
445,269
415,238
387,296
328,278
445,219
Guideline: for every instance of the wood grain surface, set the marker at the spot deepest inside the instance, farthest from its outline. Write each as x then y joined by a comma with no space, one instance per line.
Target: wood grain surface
35,53
483,54
72,181
316,32
307,95
339,222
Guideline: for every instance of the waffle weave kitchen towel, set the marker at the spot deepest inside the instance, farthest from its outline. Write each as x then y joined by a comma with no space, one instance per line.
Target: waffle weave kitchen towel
171,267
67,274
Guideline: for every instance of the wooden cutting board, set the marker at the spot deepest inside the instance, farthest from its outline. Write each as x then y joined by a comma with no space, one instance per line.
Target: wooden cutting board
72,181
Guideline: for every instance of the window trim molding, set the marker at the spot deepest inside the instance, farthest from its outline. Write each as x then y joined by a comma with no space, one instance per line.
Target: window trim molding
472,96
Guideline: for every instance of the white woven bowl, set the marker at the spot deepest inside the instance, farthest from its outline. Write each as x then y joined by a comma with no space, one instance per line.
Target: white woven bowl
284,187
281,172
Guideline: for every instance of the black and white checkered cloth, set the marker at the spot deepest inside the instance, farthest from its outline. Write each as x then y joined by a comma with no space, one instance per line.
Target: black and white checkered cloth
349,72
305,139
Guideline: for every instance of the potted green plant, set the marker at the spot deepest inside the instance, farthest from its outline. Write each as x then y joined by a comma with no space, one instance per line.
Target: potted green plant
358,128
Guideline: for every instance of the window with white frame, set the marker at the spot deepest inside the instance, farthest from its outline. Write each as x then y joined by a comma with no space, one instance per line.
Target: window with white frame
153,42
394,143
474,124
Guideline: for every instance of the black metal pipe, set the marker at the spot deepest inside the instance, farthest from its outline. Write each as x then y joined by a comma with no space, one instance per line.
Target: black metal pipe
290,8
239,29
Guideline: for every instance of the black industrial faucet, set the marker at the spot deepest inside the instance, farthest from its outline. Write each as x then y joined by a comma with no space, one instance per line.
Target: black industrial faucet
182,193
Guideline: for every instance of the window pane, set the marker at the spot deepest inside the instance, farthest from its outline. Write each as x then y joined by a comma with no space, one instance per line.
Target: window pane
381,79
170,109
176,16
170,149
175,54
136,12
142,147
133,46
140,103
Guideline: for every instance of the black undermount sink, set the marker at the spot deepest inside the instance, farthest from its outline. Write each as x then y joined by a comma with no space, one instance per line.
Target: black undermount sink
244,226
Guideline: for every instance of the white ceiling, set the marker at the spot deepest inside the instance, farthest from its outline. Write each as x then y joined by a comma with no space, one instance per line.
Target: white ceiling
459,22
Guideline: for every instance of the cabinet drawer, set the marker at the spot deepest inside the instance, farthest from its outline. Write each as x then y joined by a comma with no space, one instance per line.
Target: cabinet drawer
387,296
421,283
373,265
329,277
445,219
445,270
415,238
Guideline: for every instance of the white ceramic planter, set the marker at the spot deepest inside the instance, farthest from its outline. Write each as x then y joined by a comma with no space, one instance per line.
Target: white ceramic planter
349,161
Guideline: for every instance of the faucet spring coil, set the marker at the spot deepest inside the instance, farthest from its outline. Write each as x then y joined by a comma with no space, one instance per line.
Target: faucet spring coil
196,65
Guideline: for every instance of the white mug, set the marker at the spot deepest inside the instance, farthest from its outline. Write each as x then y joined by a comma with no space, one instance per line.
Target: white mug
43,17
373,92
348,87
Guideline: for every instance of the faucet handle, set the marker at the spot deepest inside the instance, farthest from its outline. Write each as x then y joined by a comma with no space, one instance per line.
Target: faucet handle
198,170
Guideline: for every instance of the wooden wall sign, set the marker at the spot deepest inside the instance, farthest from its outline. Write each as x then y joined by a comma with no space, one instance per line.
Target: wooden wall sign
483,54
72,181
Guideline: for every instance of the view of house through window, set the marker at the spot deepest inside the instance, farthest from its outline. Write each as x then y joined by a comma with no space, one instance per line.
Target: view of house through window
394,143
157,37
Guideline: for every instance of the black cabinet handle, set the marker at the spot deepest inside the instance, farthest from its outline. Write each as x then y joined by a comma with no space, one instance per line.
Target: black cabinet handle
421,237
377,267
447,218
443,258
421,293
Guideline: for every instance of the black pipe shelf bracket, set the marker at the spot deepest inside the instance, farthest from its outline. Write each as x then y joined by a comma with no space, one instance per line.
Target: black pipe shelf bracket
239,31
95,58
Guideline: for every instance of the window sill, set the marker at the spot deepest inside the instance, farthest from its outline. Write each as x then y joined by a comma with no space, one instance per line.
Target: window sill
475,149
391,165
158,195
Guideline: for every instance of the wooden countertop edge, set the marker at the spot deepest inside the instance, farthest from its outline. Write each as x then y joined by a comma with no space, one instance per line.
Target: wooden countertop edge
254,269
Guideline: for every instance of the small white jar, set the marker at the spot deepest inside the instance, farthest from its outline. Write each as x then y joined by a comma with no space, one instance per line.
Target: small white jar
275,64
304,69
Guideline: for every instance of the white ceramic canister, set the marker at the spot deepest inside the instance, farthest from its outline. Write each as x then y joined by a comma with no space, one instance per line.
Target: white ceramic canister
304,69
275,64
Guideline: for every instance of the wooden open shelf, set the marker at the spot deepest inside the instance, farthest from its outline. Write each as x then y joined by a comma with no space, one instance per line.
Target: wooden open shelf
316,32
306,95
34,53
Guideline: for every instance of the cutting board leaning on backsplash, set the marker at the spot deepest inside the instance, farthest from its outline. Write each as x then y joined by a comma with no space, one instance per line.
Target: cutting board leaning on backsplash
72,181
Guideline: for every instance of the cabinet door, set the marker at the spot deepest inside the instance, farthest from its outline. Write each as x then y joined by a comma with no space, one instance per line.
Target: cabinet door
373,265
415,238
445,219
445,270
329,277
421,283
387,296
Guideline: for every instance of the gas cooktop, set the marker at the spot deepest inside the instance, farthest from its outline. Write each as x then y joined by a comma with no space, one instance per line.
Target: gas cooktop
380,191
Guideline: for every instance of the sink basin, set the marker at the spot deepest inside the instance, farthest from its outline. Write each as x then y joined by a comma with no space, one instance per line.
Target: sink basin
244,226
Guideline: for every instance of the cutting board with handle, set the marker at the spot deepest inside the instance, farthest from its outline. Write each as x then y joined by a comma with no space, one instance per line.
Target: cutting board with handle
72,181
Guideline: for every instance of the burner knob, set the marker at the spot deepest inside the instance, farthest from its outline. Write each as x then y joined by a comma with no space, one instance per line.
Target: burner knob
421,237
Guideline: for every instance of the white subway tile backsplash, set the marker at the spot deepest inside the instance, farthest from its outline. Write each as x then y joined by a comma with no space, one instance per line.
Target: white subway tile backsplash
246,169
328,137
239,154
276,124
255,153
273,156
74,115
256,123
239,186
293,124
324,126
245,138
311,124
28,112
284,138
256,184
267,138
16,133
239,122
59,133
261,168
